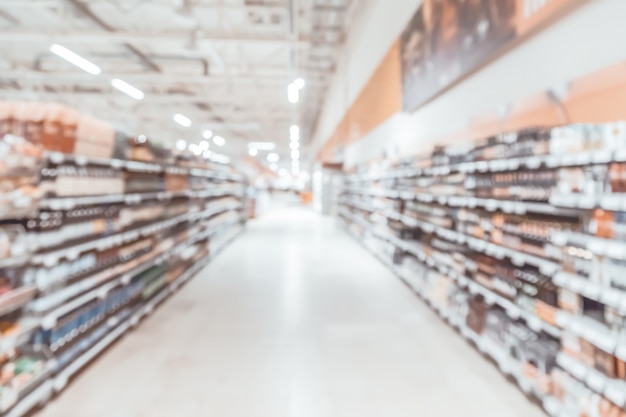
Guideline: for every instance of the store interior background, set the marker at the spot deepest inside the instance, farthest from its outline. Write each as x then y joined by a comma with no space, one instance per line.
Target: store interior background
570,68
514,86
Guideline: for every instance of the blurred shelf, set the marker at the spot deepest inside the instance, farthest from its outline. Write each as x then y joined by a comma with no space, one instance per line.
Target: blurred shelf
67,203
14,261
100,284
506,364
38,397
590,330
16,298
491,298
518,258
138,166
613,389
596,245
499,165
52,258
507,206
583,286
23,334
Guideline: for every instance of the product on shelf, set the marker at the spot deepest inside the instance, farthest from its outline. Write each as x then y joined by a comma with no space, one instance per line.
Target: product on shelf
89,245
519,241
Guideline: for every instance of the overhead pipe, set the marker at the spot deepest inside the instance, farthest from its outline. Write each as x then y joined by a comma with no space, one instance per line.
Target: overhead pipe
202,61
86,10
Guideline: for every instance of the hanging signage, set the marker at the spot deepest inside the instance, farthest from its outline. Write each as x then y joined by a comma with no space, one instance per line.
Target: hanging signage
447,39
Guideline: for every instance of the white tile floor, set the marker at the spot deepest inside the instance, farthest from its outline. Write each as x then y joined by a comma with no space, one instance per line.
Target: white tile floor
294,319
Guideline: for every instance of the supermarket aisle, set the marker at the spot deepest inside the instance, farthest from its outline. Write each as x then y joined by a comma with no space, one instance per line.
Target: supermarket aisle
294,319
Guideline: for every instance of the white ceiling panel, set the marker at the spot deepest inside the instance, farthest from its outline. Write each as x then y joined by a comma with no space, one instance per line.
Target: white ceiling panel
225,64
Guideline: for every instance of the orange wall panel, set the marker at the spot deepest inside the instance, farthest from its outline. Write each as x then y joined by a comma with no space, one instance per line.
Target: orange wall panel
380,99
600,97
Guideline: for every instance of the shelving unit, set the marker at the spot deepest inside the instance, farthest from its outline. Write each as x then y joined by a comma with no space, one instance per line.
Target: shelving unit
82,270
520,236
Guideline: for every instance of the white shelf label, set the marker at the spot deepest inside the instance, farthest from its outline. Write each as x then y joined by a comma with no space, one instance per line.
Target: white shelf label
491,205
616,392
560,279
562,319
568,159
591,290
612,297
601,156
508,207
616,250
596,246
583,158
548,268
620,352
611,202
524,385
587,201
518,259
576,285
596,380
533,162
552,160
490,299
534,323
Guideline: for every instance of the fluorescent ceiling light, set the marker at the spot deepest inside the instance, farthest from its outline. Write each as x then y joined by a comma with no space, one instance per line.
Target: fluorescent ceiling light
295,170
294,130
207,134
299,83
253,151
222,159
295,154
206,154
181,144
219,141
142,139
273,167
75,59
196,149
262,146
127,89
273,157
204,145
282,172
295,163
293,94
182,120
294,145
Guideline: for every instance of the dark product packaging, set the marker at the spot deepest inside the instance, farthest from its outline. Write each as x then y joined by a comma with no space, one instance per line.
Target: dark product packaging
477,314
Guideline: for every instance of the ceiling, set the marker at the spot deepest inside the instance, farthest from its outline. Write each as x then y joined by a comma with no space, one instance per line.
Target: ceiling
224,64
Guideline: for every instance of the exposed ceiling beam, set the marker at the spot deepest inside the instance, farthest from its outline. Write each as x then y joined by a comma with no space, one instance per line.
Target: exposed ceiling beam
269,109
9,18
123,5
86,11
329,8
91,37
162,80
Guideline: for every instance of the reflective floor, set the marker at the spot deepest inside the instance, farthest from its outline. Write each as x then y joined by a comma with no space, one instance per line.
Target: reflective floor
294,319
